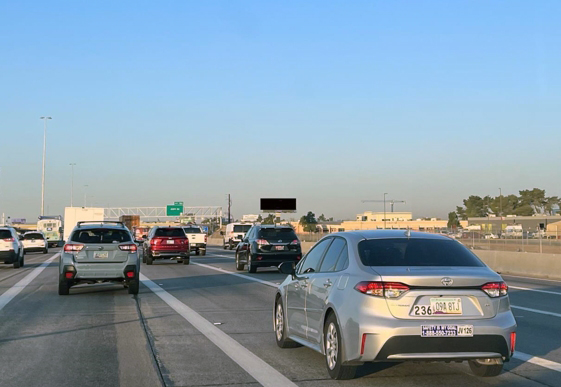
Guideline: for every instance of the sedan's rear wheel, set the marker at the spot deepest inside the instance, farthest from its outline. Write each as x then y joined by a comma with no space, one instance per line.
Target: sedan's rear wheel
239,265
486,367
63,288
280,324
333,342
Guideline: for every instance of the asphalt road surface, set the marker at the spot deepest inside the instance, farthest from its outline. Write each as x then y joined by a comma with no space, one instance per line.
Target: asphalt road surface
205,324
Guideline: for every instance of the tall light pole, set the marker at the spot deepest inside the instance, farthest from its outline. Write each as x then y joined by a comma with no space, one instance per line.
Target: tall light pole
72,185
385,193
44,155
85,195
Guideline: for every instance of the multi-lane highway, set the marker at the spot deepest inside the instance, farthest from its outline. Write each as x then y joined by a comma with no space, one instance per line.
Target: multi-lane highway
207,325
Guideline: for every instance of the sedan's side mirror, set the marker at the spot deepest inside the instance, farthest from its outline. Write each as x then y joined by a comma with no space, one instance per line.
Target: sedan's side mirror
287,268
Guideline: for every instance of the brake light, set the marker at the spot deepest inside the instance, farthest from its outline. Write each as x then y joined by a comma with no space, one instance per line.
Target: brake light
8,239
206,238
69,275
495,289
512,342
130,274
72,248
295,242
262,242
154,241
382,289
363,343
130,247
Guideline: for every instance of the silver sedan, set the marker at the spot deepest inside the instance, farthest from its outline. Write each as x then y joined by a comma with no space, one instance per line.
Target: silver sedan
368,296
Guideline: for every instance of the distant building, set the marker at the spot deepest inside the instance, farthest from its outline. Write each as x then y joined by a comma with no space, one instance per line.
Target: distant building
497,225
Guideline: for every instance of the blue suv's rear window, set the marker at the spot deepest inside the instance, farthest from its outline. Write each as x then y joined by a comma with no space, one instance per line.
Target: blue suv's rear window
415,252
100,235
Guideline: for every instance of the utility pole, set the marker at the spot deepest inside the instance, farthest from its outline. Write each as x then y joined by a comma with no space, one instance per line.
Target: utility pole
44,155
385,193
229,208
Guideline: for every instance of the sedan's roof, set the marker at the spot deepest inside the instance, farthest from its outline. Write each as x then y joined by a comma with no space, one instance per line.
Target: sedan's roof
391,234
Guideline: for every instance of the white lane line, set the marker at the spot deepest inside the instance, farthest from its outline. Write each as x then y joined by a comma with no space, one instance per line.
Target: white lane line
536,311
538,361
252,364
268,283
9,294
534,290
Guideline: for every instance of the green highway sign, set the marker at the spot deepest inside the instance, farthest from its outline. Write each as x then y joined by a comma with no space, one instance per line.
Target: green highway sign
178,204
174,210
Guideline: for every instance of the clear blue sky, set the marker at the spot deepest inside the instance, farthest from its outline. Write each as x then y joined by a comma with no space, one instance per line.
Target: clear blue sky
327,101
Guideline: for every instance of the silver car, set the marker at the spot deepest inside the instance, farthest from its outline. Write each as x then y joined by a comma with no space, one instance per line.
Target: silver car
368,296
99,252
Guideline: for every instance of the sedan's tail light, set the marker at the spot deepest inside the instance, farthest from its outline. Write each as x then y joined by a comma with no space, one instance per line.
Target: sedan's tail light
129,247
262,242
73,248
512,342
495,289
382,289
154,241
8,239
295,242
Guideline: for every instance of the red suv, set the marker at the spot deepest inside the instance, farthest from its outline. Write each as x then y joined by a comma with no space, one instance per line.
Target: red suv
166,242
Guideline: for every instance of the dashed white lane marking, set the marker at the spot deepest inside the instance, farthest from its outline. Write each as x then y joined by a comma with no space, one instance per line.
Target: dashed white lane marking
268,283
9,294
252,364
538,361
536,311
535,290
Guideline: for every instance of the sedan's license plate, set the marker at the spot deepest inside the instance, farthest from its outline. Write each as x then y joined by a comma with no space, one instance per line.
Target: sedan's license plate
442,305
101,254
170,242
446,330
279,247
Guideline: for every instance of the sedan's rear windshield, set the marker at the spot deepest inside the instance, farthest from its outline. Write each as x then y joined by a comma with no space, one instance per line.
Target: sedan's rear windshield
242,227
32,236
277,233
415,252
170,232
5,234
192,230
100,235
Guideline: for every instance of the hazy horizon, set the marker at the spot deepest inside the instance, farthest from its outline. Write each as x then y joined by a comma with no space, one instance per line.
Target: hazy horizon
327,102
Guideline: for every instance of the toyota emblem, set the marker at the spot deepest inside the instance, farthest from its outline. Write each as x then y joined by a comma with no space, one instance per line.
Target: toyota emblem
447,281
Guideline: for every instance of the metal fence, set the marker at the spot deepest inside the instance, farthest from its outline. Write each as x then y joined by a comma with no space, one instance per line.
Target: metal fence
478,241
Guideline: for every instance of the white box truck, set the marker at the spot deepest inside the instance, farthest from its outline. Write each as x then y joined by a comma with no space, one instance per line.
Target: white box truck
73,215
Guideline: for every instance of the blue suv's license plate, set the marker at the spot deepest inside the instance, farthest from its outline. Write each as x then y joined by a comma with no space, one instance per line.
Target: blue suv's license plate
446,330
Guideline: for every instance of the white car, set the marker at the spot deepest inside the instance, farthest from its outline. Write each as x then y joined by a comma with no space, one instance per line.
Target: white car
11,249
234,234
35,241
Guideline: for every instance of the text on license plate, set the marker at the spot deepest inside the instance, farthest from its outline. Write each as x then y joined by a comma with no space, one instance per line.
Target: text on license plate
279,247
446,330
101,254
171,242
439,306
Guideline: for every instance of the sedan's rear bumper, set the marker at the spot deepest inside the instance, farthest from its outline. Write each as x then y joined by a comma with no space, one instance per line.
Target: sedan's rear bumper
394,339
274,259
170,254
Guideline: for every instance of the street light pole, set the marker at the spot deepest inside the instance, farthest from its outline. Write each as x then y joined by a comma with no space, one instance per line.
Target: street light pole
385,193
72,185
44,155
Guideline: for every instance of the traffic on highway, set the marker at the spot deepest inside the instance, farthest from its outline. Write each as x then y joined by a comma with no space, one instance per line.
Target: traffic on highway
371,307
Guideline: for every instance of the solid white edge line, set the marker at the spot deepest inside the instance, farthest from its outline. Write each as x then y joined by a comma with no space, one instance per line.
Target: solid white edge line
537,361
536,311
252,364
9,294
268,283
531,278
534,290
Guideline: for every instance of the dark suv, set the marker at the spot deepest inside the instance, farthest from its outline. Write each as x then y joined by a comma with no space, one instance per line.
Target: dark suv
267,245
166,242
